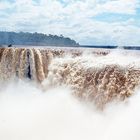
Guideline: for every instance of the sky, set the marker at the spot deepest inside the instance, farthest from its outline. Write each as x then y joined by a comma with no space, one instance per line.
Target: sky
89,22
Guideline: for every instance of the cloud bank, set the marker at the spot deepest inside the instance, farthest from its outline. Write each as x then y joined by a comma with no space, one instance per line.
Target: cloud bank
96,22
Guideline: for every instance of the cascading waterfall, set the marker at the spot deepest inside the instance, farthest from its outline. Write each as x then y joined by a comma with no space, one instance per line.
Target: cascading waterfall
24,63
89,79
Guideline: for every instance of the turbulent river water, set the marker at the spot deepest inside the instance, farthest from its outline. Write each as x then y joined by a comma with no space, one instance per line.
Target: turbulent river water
58,94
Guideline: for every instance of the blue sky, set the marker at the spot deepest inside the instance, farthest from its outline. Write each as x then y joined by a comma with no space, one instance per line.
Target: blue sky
92,22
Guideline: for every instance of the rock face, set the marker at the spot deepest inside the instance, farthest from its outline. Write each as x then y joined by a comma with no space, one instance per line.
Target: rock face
96,76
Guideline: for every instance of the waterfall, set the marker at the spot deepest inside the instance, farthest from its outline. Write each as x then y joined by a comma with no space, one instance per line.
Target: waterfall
96,76
24,63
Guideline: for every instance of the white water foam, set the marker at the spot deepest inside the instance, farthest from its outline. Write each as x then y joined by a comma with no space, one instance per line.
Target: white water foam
27,113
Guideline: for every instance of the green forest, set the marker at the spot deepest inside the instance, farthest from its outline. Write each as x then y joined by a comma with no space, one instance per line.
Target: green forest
37,39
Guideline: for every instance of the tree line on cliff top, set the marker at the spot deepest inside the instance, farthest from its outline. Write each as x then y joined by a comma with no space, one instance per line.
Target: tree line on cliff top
27,38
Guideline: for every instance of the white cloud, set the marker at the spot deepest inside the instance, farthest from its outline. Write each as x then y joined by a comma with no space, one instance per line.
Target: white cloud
119,6
4,5
73,18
